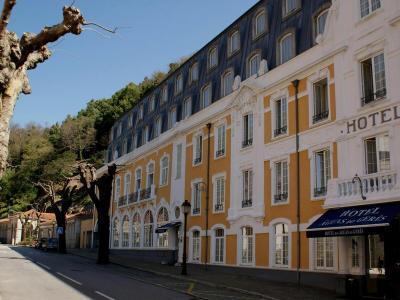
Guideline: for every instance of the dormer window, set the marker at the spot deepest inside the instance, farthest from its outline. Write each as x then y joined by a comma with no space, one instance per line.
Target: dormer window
205,99
164,94
254,64
368,6
290,6
178,84
152,103
213,58
227,83
260,24
234,42
172,118
140,113
286,47
187,108
194,72
157,127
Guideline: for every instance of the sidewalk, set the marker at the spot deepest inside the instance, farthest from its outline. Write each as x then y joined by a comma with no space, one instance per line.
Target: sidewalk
264,289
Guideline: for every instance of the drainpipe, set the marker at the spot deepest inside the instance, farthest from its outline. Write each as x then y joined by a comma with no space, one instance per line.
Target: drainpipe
295,84
207,189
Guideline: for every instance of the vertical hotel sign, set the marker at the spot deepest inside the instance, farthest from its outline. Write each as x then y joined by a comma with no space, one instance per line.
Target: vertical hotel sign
376,118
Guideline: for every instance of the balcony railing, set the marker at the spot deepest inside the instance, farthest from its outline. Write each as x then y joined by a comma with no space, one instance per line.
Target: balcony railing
375,187
373,97
196,211
321,116
247,203
219,207
247,143
280,130
122,201
133,198
320,191
281,197
148,193
220,152
197,160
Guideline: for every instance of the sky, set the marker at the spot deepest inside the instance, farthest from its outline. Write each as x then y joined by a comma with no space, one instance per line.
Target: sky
95,64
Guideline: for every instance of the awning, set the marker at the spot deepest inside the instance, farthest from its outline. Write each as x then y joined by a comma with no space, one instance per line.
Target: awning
355,220
165,227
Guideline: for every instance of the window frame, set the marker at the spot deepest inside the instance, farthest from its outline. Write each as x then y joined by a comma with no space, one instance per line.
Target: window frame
193,66
232,51
316,256
192,244
274,163
379,170
196,188
247,191
255,34
224,75
247,130
197,159
179,84
219,152
187,108
370,10
213,49
148,230
292,33
136,230
275,238
215,180
372,57
202,98
125,243
286,13
172,117
327,152
249,238
249,65
164,94
164,171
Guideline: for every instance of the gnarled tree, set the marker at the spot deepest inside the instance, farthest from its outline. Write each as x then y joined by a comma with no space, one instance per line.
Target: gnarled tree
17,56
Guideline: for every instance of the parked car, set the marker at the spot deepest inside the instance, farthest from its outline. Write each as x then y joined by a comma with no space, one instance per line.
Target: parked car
40,242
50,244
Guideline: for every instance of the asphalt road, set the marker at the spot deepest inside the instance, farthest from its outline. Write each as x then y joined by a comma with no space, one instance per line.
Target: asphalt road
27,273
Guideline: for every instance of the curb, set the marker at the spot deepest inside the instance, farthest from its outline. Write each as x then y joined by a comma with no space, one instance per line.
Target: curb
207,283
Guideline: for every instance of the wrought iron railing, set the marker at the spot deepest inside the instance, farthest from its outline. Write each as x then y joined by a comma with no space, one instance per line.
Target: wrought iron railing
220,152
281,197
280,130
219,207
247,143
247,203
320,116
374,96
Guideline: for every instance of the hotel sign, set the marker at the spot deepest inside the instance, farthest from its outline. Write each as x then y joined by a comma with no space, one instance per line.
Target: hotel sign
377,118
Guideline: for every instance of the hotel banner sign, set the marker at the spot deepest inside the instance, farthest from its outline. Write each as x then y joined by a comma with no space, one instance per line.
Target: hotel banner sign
356,220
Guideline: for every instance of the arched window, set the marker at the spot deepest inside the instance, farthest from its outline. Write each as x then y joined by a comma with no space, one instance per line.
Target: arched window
281,244
213,58
196,244
127,187
117,191
247,245
219,245
162,219
136,231
286,48
150,175
115,233
206,95
253,64
138,179
320,21
125,232
164,171
260,23
227,83
148,229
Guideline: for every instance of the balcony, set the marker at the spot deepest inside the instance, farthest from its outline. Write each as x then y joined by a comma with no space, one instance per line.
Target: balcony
122,201
218,207
373,97
320,117
378,187
247,203
281,130
320,191
280,197
220,153
133,198
197,160
247,143
196,211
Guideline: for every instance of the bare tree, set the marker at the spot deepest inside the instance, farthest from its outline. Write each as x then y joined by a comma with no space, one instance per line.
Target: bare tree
99,190
17,56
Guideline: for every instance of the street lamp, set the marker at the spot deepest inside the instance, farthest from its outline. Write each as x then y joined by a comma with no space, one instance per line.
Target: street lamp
186,209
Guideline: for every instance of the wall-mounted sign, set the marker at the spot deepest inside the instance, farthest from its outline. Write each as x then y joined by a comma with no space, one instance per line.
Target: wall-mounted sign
380,117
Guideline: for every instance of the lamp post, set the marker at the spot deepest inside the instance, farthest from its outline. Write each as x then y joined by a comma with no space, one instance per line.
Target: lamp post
186,209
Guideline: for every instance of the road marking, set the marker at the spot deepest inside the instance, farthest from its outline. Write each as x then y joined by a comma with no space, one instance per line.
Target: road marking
43,265
69,278
190,289
104,295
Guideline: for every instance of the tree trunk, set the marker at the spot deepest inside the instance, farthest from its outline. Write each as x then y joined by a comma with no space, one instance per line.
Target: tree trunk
61,221
104,234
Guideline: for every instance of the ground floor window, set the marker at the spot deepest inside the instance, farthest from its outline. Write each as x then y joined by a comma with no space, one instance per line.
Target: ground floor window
125,232
355,252
247,245
162,219
376,256
196,245
136,231
148,229
219,245
281,244
115,232
324,252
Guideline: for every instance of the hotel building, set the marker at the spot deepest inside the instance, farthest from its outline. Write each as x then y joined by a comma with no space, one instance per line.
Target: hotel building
282,133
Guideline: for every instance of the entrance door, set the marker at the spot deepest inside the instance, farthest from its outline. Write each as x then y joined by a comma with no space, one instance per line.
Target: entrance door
392,255
375,265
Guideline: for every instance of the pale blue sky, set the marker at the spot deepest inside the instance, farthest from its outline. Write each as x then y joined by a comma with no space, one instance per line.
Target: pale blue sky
95,64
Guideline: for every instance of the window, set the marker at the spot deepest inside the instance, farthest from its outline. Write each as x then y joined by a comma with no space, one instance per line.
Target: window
247,245
196,198
150,175
286,48
178,171
152,104
162,219
146,135
219,245
164,94
322,172
178,84
125,232
321,103
281,182
227,83
247,130
119,129
136,231
247,196
117,188
206,94
320,22
164,171
157,127
115,233
280,116
324,247
194,73
260,24
148,229
368,6
355,251
172,118
220,141
373,79
127,187
377,154
281,245
254,64
234,42
138,179
290,6
196,246
198,149
219,194
140,114
187,108
213,58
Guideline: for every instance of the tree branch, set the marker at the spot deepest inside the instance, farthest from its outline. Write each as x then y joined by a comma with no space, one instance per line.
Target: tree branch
5,15
100,26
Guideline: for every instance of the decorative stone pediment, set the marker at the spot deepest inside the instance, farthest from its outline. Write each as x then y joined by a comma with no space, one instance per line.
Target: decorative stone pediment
245,99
